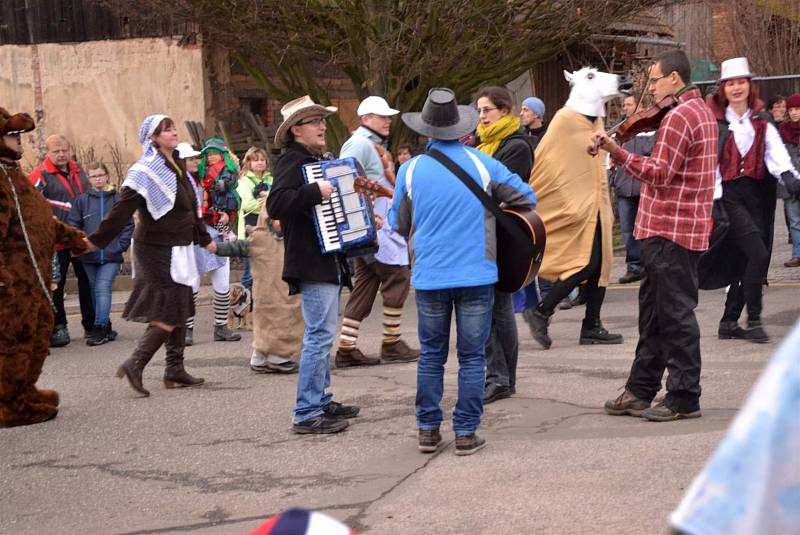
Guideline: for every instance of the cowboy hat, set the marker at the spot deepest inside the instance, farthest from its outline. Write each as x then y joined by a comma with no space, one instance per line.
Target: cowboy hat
295,111
441,117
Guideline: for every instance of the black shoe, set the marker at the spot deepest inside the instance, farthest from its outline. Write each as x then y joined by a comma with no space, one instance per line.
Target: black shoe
494,392
98,336
598,335
537,324
60,336
112,334
320,425
730,330
630,277
338,411
755,333
223,334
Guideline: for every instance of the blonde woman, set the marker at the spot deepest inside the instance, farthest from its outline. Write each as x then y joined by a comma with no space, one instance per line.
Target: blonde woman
254,182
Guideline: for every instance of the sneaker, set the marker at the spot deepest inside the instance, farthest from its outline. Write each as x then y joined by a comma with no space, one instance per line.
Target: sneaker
112,334
794,262
338,411
630,277
320,425
626,404
98,336
494,392
662,413
730,330
537,324
429,440
268,363
189,340
598,335
345,358
223,334
398,352
60,336
467,445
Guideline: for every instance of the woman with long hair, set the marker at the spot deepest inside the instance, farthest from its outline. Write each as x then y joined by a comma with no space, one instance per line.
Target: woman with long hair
169,224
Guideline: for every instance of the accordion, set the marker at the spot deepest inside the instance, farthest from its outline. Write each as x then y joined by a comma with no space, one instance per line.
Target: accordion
344,222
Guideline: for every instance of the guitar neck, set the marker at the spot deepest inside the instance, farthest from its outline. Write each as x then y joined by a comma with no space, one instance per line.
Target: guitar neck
365,185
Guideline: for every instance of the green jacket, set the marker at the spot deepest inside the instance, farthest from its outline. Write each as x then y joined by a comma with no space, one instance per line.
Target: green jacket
247,184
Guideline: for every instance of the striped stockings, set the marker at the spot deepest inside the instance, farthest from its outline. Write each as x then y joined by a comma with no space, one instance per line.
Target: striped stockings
221,307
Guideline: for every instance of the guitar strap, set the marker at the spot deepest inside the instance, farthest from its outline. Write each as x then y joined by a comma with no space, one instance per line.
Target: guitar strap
486,200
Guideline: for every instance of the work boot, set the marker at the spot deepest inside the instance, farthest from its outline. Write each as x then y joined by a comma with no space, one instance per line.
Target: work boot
223,334
98,336
60,336
429,440
398,352
626,404
630,277
148,344
598,335
189,340
661,413
730,330
175,375
755,332
345,358
469,444
537,324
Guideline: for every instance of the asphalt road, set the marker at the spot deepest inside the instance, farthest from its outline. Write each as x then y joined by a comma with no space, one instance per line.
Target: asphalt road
220,458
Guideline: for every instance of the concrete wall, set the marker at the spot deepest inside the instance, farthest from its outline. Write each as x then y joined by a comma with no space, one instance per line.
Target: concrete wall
97,93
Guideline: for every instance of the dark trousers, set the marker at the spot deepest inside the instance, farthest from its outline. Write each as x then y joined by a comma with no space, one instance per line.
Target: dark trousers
392,281
748,290
502,348
84,292
595,295
669,337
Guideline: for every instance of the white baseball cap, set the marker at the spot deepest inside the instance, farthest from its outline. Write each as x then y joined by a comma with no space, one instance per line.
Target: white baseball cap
376,105
187,151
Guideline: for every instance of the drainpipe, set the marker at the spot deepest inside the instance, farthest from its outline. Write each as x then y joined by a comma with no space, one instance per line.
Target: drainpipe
38,95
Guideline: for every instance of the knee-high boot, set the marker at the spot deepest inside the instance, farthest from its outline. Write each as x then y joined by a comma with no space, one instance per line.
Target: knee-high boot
175,375
132,368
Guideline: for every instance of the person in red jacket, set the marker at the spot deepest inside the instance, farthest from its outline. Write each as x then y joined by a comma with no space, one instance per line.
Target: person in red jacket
61,181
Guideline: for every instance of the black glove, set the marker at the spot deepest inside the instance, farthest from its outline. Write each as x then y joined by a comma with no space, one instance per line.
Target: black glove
792,184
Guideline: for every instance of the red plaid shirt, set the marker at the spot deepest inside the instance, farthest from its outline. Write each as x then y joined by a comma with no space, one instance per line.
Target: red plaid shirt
678,177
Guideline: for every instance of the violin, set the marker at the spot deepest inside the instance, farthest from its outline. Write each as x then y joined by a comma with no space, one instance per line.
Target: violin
643,121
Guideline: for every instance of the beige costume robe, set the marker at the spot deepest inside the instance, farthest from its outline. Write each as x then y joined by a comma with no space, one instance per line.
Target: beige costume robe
571,191
277,318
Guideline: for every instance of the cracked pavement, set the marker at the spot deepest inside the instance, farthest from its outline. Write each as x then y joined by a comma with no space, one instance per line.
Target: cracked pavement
221,458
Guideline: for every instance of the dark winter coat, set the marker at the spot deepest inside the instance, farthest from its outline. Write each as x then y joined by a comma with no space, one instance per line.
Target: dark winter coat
516,153
88,211
292,201
58,188
625,185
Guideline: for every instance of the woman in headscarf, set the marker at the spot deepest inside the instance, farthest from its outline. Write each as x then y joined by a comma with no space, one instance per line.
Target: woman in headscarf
502,137
168,226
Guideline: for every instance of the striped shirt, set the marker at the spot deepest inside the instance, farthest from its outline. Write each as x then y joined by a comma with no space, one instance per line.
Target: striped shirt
678,177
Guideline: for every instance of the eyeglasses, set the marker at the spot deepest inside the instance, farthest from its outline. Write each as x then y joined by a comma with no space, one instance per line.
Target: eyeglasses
652,81
319,121
485,111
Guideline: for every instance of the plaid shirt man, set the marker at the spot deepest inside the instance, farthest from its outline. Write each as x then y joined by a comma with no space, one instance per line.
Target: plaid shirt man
678,177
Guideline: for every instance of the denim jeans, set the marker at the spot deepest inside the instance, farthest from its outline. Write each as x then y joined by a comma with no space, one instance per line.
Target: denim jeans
792,207
320,306
101,280
627,207
247,275
473,308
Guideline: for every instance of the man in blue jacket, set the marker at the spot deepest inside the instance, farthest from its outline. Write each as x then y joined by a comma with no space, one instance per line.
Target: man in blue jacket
451,239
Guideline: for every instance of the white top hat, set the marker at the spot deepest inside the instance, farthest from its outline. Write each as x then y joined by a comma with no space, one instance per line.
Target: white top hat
295,111
735,68
377,106
187,151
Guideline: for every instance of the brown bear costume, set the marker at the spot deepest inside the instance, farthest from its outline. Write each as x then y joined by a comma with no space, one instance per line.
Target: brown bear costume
27,314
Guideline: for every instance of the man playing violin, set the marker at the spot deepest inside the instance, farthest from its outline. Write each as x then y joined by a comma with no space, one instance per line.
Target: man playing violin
674,224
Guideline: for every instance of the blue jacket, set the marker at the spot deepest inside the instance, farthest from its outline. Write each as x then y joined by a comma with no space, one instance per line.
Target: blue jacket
88,211
451,236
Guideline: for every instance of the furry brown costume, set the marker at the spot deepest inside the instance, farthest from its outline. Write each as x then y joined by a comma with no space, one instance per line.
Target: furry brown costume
27,315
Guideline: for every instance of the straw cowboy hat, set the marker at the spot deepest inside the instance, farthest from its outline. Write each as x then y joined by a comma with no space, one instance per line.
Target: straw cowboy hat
441,117
295,111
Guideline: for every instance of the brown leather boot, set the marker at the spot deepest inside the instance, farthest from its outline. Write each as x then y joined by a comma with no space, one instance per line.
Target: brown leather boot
346,358
175,375
398,352
132,368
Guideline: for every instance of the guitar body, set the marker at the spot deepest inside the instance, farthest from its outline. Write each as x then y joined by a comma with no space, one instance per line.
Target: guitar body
518,261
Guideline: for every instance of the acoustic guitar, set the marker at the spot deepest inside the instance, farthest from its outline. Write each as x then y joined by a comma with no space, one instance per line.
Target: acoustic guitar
519,255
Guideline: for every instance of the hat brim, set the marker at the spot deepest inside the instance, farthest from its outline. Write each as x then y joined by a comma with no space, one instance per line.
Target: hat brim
467,122
735,76
282,134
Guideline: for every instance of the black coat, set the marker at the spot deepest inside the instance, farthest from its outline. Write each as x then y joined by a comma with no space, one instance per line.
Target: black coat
291,201
516,153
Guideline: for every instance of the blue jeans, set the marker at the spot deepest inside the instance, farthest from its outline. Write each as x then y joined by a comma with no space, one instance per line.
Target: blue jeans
792,207
473,308
247,276
101,280
320,306
627,207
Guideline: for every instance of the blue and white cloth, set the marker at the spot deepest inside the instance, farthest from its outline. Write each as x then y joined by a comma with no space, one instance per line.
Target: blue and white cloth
751,485
207,261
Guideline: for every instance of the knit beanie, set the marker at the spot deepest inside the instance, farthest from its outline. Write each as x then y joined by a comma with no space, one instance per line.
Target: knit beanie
535,105
793,101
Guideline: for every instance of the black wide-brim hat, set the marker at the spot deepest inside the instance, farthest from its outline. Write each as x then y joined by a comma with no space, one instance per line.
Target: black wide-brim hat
441,117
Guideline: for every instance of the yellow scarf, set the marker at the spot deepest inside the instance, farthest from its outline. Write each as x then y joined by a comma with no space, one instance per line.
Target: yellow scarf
492,135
